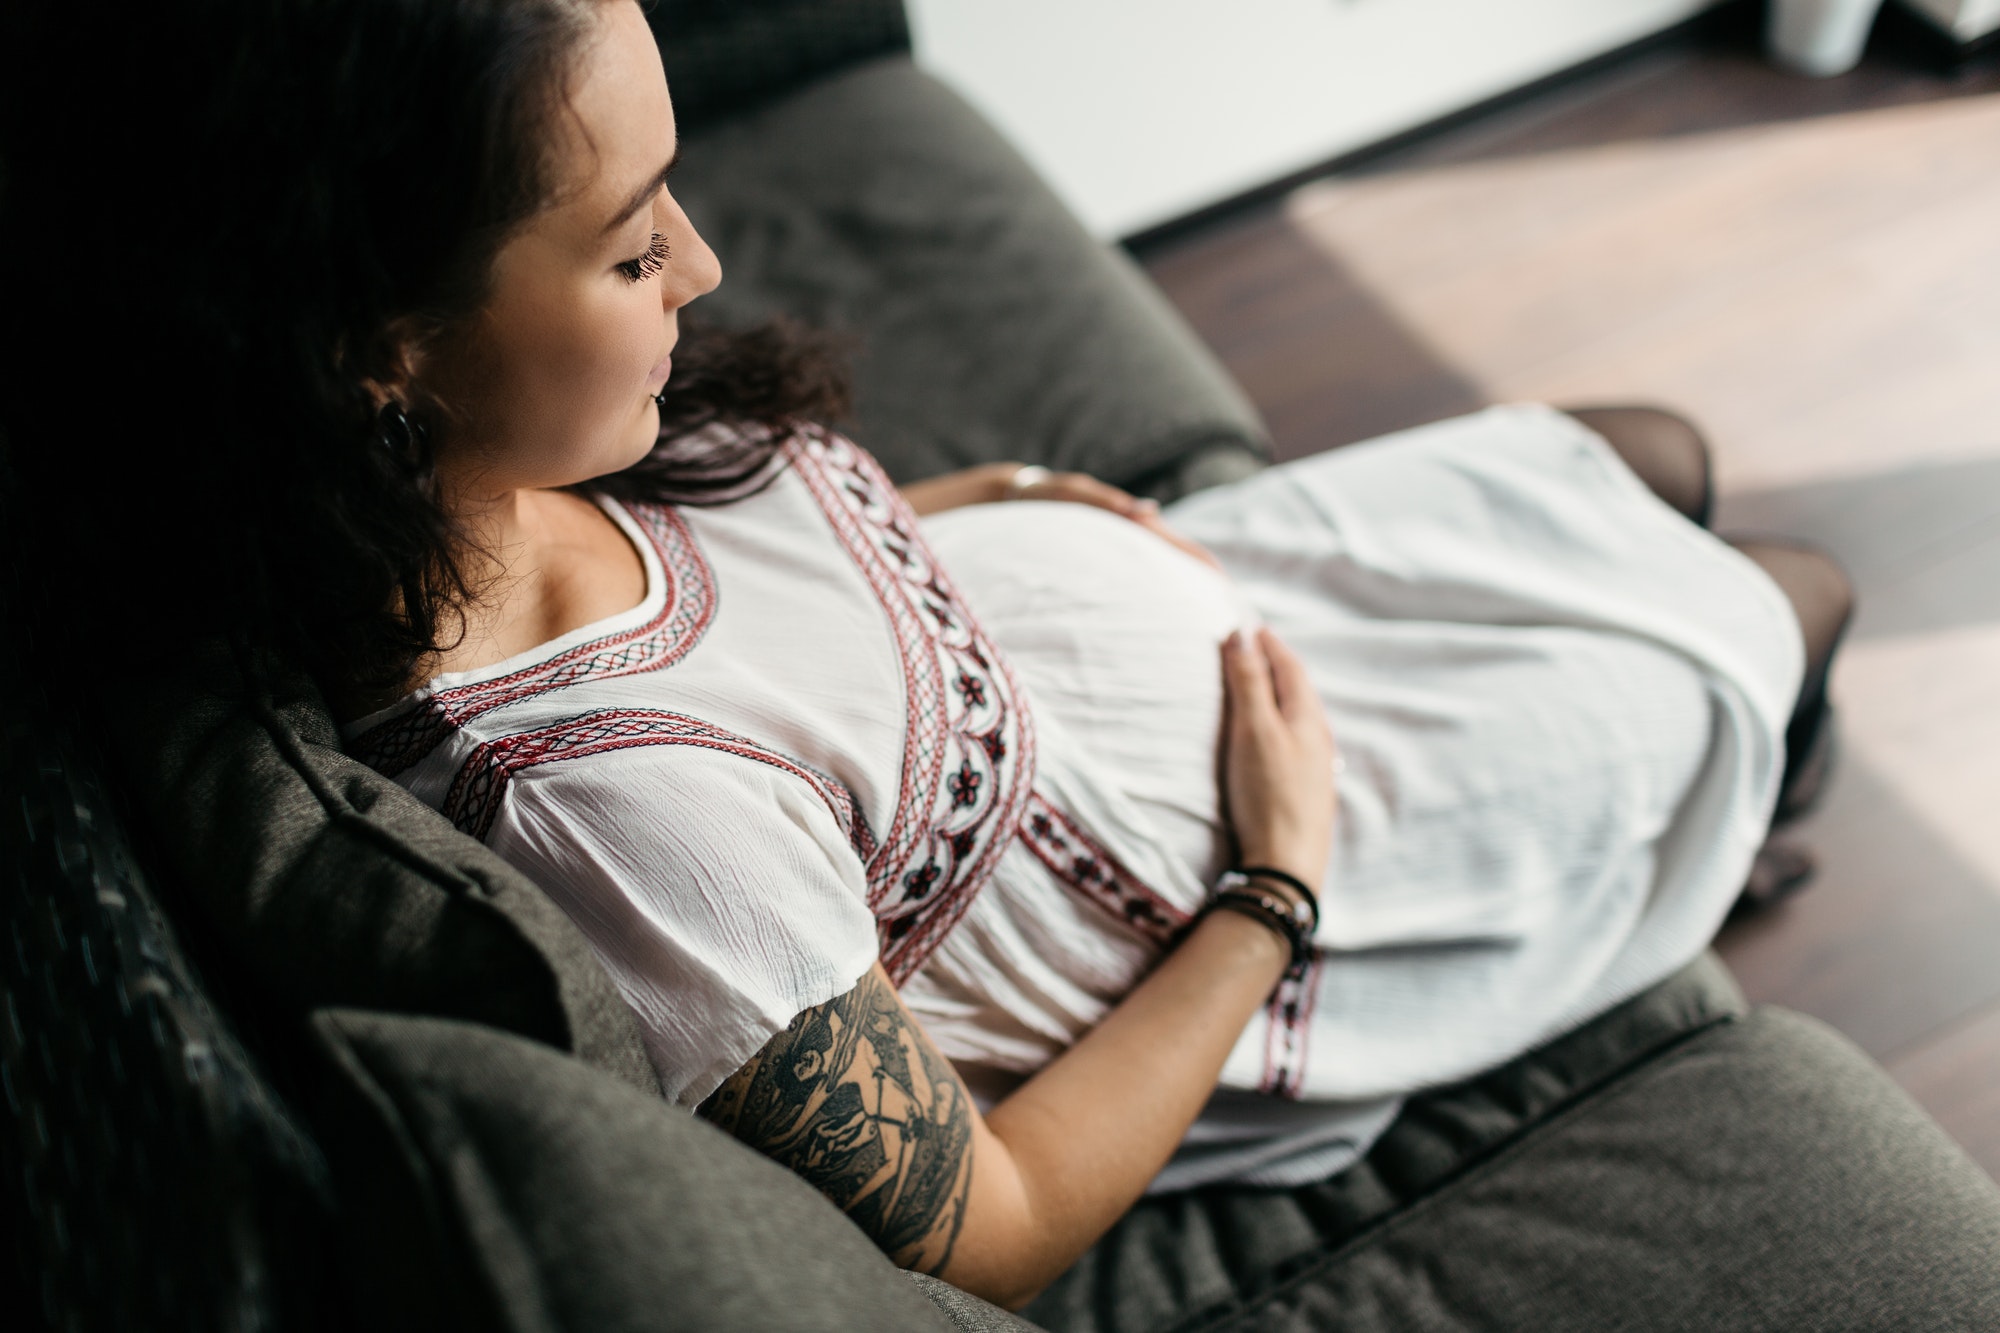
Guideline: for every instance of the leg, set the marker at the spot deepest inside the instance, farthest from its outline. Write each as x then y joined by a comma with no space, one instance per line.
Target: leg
1823,600
1663,449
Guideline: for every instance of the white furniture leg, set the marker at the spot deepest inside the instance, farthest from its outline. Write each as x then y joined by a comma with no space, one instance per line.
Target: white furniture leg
1820,37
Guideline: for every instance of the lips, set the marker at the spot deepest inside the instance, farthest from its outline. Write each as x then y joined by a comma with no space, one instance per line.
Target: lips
661,373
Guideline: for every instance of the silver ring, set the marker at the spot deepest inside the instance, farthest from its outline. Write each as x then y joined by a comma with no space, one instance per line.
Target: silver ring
1025,478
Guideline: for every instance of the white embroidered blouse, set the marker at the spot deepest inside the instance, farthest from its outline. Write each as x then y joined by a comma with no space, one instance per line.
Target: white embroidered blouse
1559,704
799,752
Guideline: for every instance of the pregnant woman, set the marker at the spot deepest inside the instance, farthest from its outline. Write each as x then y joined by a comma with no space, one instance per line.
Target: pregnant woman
979,850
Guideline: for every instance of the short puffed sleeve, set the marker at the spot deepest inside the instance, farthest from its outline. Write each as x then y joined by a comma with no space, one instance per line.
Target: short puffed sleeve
719,891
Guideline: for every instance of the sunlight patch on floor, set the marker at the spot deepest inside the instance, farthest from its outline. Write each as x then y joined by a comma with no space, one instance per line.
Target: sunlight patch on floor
1819,321
1920,709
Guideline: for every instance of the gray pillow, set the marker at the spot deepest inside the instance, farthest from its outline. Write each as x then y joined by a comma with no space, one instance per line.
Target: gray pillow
878,203
500,1184
724,55
321,883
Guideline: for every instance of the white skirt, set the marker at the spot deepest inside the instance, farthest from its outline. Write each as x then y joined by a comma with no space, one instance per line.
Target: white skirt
1560,709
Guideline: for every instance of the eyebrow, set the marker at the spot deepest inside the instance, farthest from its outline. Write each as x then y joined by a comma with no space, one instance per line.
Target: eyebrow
645,192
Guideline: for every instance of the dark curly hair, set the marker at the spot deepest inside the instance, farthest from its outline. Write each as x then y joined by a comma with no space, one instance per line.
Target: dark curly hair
298,193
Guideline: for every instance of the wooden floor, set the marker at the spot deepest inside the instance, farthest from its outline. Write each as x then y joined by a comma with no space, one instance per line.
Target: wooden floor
1811,269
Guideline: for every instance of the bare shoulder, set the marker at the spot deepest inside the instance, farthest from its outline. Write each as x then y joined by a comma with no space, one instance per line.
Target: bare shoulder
853,1097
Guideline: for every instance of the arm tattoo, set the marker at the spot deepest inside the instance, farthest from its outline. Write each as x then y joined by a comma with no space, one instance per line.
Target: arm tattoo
853,1098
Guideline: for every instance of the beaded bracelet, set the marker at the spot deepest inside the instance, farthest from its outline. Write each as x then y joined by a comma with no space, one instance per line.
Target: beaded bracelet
1294,918
1284,877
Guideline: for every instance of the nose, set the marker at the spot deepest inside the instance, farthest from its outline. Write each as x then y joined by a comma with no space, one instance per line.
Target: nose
696,269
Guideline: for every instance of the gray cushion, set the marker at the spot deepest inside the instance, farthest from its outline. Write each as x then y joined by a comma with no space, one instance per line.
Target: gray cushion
511,1187
722,55
150,1178
1188,1259
323,883
1757,1173
1766,1176
968,1314
990,325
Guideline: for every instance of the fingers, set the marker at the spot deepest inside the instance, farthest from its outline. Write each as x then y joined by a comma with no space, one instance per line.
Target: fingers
1292,689
1290,686
1082,488
1153,523
1277,773
1246,677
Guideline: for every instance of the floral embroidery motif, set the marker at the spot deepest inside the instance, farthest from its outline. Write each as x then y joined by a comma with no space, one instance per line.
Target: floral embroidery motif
969,742
918,884
965,785
684,616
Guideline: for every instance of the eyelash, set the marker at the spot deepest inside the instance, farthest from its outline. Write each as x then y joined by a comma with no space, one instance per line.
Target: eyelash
647,265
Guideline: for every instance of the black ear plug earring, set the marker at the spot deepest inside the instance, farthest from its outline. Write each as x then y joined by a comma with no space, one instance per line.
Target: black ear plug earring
406,438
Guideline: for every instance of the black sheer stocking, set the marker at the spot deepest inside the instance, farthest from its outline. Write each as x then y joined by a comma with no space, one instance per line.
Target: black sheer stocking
1663,449
1823,600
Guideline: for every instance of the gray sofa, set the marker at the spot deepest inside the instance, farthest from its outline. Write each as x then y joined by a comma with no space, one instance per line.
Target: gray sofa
281,1049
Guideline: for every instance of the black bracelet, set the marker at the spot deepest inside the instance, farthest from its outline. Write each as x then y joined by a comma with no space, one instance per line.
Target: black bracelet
1283,877
1293,919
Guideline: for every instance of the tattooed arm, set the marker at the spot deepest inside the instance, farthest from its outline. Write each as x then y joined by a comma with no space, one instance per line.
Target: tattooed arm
854,1097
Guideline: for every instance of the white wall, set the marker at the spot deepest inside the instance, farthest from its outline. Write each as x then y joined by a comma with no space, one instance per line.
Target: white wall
1140,111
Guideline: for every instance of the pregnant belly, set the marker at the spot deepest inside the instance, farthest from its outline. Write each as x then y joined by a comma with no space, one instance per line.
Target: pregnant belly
1115,635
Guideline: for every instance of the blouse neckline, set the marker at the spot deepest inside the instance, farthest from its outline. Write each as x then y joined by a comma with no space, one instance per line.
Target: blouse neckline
648,607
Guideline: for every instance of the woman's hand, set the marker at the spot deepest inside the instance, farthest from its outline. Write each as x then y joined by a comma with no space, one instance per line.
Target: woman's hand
1278,756
994,482
1082,488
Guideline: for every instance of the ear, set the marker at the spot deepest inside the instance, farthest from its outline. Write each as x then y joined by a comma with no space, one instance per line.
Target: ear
394,366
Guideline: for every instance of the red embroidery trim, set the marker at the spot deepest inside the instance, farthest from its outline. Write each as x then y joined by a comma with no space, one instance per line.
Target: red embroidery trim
968,745
1081,863
1288,1032
684,616
968,742
481,784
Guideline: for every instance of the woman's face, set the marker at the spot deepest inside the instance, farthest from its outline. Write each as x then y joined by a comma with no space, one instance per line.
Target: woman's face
552,382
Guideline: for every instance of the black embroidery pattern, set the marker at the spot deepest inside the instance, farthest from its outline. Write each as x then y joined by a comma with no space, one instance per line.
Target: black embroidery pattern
969,742
1288,1031
1081,863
